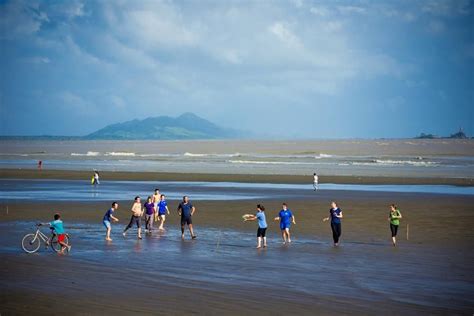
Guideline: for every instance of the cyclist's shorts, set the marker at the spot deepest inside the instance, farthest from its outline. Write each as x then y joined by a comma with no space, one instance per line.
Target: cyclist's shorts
61,237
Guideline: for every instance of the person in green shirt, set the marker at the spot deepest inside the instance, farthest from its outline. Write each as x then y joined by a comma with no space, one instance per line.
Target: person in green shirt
394,217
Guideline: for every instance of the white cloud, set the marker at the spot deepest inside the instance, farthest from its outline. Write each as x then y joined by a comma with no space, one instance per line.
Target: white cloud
297,3
447,7
36,60
349,9
20,18
320,10
284,34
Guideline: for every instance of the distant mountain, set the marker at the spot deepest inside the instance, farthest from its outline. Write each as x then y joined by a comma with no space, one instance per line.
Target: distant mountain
186,126
459,135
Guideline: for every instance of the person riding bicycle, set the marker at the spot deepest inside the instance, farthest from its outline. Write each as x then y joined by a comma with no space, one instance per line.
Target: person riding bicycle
58,229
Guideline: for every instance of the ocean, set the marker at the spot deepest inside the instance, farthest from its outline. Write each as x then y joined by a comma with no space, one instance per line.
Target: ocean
404,157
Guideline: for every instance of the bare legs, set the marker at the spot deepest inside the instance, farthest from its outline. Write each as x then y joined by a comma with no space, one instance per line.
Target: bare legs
259,242
190,227
107,234
162,219
285,235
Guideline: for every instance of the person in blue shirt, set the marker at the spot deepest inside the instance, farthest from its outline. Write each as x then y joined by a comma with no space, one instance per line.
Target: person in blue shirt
285,217
58,230
262,225
335,214
108,218
186,211
162,211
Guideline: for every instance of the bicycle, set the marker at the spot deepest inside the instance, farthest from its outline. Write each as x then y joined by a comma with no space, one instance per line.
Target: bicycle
32,242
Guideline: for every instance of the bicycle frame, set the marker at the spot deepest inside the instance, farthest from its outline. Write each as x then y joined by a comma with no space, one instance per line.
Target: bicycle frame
39,234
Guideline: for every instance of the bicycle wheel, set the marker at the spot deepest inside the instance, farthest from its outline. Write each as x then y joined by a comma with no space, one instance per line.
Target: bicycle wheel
30,243
55,245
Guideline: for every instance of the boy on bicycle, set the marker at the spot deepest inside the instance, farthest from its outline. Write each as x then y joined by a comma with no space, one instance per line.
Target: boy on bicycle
58,229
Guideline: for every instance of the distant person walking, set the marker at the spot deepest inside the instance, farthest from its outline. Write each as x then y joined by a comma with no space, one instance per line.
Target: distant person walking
108,218
394,217
285,217
315,182
137,213
95,178
186,211
150,211
156,200
335,214
40,165
262,225
162,211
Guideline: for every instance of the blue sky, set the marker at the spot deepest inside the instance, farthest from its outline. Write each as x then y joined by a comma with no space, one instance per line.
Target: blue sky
303,69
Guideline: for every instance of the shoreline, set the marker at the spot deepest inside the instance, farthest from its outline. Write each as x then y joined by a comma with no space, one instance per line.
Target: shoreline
218,177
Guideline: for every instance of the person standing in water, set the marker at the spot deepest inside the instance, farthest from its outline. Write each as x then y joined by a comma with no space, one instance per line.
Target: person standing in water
156,200
95,178
150,211
262,225
137,213
285,217
315,182
186,211
335,214
394,217
108,217
162,211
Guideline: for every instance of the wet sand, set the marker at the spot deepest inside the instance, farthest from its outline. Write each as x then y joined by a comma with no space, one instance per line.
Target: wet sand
209,177
221,272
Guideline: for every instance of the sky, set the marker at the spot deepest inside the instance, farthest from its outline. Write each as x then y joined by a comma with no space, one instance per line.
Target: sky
283,69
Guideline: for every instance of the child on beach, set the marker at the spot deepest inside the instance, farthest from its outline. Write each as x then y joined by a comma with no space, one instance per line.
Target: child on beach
285,217
95,178
262,225
58,229
162,211
137,213
315,182
156,200
186,211
394,217
108,217
335,214
150,211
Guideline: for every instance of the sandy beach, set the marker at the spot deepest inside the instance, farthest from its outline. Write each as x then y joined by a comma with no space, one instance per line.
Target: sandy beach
427,274
219,177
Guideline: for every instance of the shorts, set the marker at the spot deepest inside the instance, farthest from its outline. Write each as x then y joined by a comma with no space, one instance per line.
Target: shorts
106,224
61,237
284,226
261,232
160,213
186,220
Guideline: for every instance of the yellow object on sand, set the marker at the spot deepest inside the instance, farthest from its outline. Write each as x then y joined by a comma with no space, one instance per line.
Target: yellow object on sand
92,180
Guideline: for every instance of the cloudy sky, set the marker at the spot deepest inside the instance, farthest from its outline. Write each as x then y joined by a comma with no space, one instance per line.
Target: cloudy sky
310,69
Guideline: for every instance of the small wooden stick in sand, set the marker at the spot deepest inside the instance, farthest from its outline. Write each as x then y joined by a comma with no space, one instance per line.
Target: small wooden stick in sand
218,241
408,231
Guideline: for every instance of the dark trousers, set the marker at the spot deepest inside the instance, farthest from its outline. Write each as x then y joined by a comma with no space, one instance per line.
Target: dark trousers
336,231
394,230
133,220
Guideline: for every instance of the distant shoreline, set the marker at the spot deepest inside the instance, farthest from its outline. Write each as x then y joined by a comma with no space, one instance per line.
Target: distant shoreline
216,177
270,139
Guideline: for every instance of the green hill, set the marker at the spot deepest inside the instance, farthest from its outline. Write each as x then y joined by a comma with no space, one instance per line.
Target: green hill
186,126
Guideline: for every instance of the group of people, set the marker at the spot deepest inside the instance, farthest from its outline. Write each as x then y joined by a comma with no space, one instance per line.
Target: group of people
154,209
286,218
